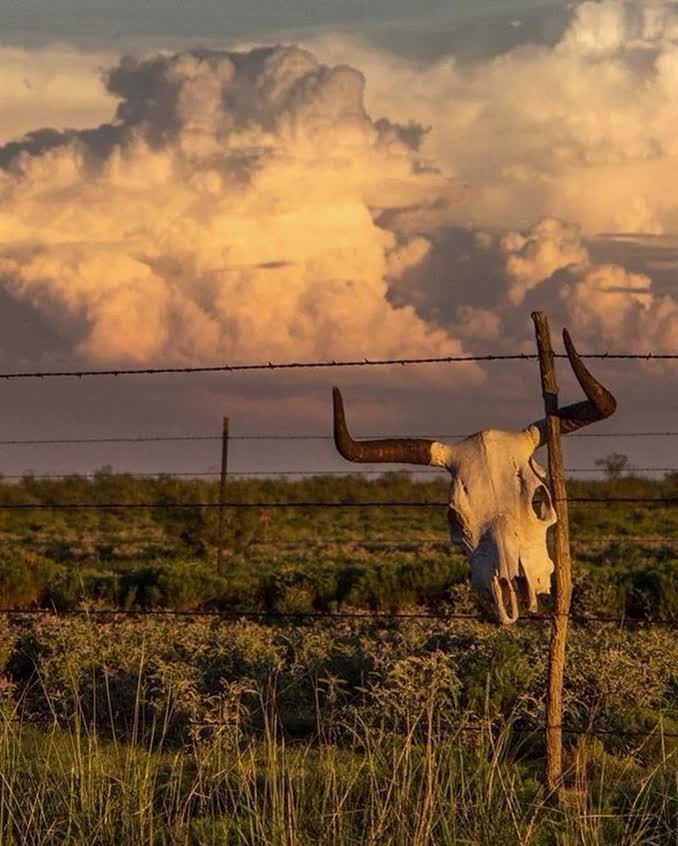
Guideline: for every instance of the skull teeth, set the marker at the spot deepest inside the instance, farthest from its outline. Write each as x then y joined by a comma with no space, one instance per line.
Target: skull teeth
503,591
527,589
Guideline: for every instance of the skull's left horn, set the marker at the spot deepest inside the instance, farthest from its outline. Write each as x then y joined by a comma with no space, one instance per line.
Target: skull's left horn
392,450
600,403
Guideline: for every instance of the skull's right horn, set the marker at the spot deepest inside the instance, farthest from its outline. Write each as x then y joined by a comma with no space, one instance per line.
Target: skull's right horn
392,450
600,403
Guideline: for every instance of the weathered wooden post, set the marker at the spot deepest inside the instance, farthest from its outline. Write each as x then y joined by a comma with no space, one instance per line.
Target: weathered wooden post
563,569
222,497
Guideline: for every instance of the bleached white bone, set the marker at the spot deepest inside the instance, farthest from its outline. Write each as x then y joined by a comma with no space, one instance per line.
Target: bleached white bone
499,511
499,506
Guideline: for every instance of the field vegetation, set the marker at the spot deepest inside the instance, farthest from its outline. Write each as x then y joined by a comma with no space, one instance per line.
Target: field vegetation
181,729
306,559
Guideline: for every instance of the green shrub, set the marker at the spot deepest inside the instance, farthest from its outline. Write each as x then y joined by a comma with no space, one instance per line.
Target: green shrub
180,585
24,578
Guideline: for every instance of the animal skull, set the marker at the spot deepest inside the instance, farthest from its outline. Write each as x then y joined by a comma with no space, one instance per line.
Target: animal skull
499,507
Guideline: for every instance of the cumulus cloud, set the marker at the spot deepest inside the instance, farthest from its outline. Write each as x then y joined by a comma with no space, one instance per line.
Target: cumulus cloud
618,307
229,211
534,256
583,131
613,25
609,306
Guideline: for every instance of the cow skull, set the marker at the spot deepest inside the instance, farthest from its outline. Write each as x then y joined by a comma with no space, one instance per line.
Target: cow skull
499,505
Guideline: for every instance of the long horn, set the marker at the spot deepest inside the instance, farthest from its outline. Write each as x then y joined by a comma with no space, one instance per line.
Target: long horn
600,403
393,450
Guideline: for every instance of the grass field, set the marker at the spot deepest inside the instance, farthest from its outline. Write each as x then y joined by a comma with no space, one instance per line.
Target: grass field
164,730
306,559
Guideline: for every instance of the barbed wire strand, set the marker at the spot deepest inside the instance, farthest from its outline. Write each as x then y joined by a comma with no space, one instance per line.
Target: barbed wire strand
436,472
413,544
262,505
147,439
371,616
275,475
307,365
657,731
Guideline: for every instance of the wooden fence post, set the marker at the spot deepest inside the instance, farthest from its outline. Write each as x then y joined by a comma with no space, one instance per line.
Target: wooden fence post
222,497
563,569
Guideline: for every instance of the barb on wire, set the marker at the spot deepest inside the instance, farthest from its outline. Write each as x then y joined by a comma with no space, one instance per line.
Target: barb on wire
302,365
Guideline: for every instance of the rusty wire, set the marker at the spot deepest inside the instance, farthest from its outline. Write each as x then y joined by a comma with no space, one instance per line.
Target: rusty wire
657,731
299,616
146,439
301,365
436,472
263,505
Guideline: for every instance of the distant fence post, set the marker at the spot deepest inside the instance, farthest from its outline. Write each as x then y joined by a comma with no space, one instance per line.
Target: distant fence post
222,497
563,569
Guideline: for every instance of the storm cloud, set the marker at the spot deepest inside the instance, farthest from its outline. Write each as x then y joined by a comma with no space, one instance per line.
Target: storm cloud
228,211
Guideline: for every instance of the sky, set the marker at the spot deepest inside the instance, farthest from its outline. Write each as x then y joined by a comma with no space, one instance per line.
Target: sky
286,181
125,19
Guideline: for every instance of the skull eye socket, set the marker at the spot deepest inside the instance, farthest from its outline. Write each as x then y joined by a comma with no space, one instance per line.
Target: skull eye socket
541,504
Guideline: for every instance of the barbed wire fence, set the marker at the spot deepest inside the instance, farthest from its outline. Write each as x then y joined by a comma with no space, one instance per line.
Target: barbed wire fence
301,472
101,614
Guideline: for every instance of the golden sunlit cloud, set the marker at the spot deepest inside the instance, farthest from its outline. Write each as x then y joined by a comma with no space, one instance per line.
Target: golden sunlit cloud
604,301
583,130
230,211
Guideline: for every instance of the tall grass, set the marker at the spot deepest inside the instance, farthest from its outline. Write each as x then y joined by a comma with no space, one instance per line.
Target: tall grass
420,783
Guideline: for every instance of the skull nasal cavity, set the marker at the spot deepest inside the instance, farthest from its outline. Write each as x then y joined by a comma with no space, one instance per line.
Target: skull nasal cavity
540,502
